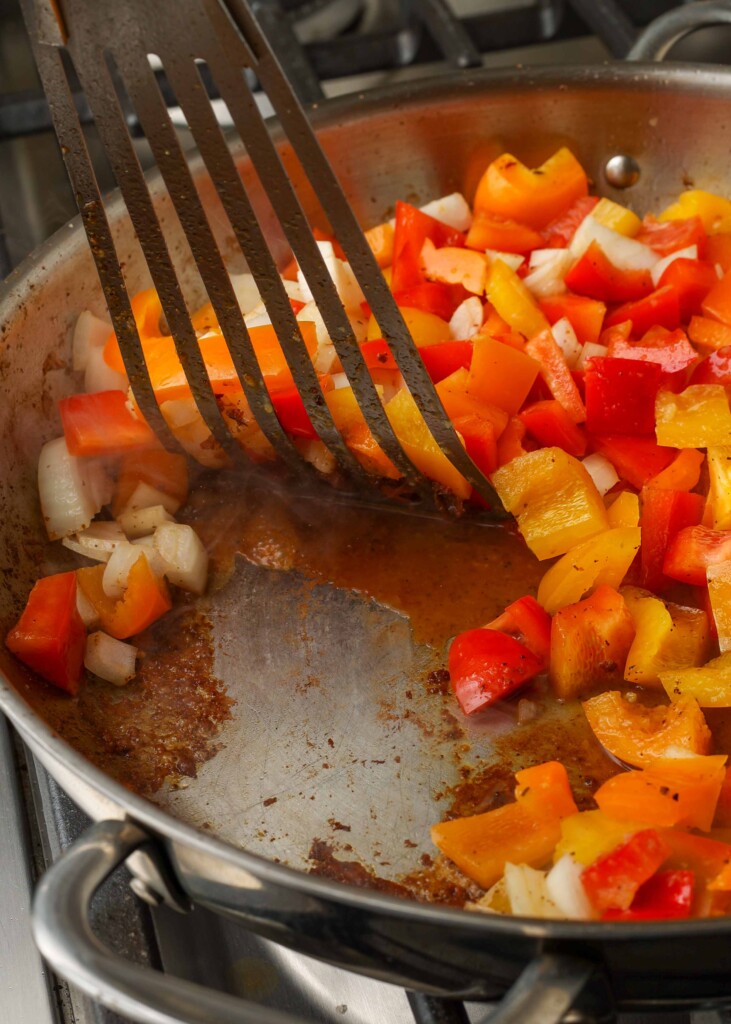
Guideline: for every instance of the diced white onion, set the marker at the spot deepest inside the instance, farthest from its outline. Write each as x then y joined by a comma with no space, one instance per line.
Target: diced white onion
565,337
139,522
117,569
339,381
184,557
601,471
526,891
72,490
99,376
258,317
89,333
625,253
510,259
452,210
189,427
466,319
154,558
564,888
548,278
110,659
689,253
87,611
346,285
540,256
247,293
97,542
146,496
589,350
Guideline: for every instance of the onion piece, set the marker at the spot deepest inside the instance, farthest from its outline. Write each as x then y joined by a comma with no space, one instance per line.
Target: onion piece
510,259
184,558
346,285
146,496
689,253
110,659
140,522
452,210
602,472
548,278
71,489
526,891
117,569
246,291
90,333
589,350
97,542
565,337
99,376
625,253
89,615
565,889
467,319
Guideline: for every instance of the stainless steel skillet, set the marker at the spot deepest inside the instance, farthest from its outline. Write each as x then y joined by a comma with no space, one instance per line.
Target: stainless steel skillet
418,142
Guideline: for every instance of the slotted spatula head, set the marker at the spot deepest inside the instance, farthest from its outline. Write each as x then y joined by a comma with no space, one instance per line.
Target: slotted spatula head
107,45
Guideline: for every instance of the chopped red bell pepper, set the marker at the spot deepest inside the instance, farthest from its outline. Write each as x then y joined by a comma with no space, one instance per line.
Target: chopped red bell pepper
671,235
102,423
556,373
663,515
660,307
291,413
480,440
692,550
585,315
691,281
671,350
49,636
411,231
378,355
636,459
665,896
558,234
613,880
595,275
432,297
446,357
714,369
550,424
528,622
485,665
620,395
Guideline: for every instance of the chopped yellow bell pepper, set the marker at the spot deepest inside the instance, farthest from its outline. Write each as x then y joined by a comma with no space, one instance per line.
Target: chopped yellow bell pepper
418,443
604,558
719,593
667,636
590,834
513,301
710,684
719,487
424,328
698,417
714,211
616,217
553,499
624,510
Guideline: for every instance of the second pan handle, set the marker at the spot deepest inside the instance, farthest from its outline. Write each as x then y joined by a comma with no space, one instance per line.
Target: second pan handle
662,34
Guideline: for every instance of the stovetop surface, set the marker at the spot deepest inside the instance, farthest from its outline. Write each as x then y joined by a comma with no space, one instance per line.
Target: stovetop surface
40,820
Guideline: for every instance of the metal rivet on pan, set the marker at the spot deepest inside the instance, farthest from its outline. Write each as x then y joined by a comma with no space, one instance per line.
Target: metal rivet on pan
621,171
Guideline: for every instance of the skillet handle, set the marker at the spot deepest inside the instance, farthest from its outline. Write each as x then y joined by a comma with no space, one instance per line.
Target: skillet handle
541,995
664,32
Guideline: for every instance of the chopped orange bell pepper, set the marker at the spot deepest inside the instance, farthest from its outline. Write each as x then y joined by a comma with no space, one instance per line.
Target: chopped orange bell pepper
556,373
672,791
553,499
719,595
589,643
455,265
603,559
714,211
682,474
490,232
717,303
719,487
460,398
698,417
524,832
165,471
708,334
510,443
513,301
380,239
667,636
425,328
709,684
500,374
639,735
418,443
722,817
145,599
718,250
147,312
509,189
546,787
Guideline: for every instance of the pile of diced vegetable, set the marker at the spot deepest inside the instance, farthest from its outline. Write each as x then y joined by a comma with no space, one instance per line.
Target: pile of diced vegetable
584,357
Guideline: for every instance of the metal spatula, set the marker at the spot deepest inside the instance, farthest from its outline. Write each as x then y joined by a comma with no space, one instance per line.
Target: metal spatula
106,44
